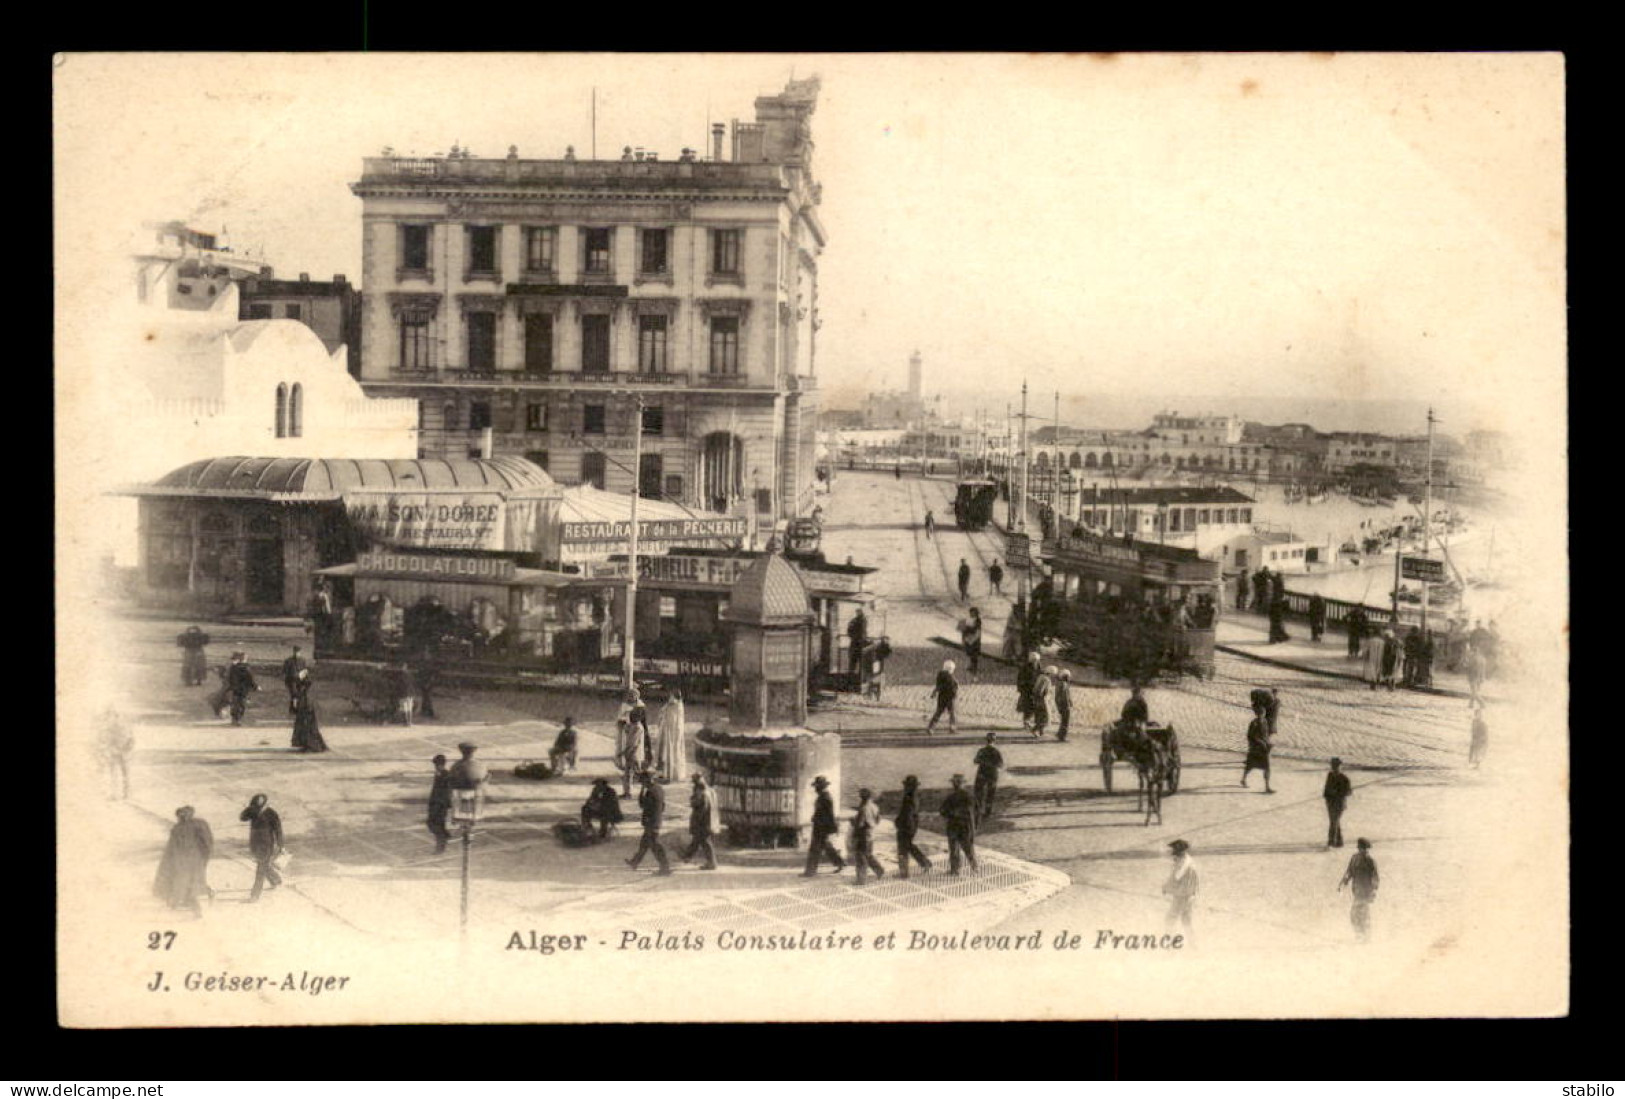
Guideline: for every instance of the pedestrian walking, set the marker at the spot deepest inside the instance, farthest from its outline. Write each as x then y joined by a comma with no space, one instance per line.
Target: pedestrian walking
291,668
857,635
907,825
439,804
945,692
673,739
704,821
823,827
1063,704
1355,622
1243,591
1412,657
264,843
1317,617
930,524
1026,676
652,810
628,749
1361,876
1261,589
1258,747
1476,671
995,577
1372,668
1278,609
1336,793
864,822
194,662
1043,686
1270,699
562,756
1390,657
958,813
1480,744
989,762
114,744
964,580
183,872
307,728
601,806
239,684
1182,885
879,653
970,636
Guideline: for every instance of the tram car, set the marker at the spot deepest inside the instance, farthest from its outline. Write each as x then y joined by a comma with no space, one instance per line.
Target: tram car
1138,611
802,539
973,503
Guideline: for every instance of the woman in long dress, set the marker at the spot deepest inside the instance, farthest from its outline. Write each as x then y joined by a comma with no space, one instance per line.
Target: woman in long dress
1373,659
183,873
307,732
673,748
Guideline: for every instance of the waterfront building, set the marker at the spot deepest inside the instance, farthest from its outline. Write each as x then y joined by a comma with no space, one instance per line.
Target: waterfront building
542,300
331,309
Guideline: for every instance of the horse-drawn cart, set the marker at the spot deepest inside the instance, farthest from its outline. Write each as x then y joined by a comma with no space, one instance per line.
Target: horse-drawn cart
1152,750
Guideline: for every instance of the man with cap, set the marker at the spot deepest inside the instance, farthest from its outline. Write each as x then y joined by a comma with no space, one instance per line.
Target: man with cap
864,822
264,842
439,804
988,763
1362,875
1182,884
908,825
291,668
1337,792
945,692
702,823
239,682
964,579
823,827
959,819
652,807
1063,703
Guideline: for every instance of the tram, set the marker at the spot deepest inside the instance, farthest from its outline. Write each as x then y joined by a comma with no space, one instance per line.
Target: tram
973,503
1136,610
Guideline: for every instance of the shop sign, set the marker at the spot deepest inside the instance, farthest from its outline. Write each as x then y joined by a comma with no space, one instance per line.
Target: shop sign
675,569
1427,569
691,668
1095,549
447,520
1018,549
821,582
654,530
496,569
782,656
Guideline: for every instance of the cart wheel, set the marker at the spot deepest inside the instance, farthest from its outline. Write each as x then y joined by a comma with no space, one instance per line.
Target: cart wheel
1106,767
1173,775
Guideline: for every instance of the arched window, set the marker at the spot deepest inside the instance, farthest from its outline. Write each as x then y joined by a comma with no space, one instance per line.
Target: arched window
282,411
1042,460
1077,460
1107,460
1166,460
296,411
1090,461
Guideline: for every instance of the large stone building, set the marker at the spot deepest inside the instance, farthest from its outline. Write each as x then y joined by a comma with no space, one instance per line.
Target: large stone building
542,299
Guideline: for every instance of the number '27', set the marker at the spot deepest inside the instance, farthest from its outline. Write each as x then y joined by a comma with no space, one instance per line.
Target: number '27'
160,940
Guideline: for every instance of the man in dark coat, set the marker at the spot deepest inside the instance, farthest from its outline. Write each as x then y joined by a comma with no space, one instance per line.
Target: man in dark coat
1337,792
1362,876
964,579
264,842
602,806
425,671
970,635
988,764
1261,588
995,576
1356,621
562,756
1317,616
945,692
959,818
183,873
239,682
1277,611
194,663
930,525
1258,747
908,826
1063,703
652,807
823,827
857,632
1270,699
1412,656
439,804
1243,591
291,668
1135,710
702,808
1026,678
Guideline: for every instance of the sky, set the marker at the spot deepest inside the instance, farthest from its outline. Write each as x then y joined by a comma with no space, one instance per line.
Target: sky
1314,228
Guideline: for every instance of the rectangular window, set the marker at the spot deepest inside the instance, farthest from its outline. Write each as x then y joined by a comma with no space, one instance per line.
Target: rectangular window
592,469
1246,515
535,417
538,342
1230,516
541,248
538,457
415,247
652,345
1202,516
668,606
654,420
293,312
592,419
1190,518
1173,520
415,343
674,486
597,245
654,251
482,341
259,312
479,415
725,251
595,343
482,249
650,469
724,345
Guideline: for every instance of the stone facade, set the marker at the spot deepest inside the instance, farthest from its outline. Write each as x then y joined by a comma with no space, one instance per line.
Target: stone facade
543,299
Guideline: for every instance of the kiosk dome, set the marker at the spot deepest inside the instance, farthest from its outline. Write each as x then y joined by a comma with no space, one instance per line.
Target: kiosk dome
770,593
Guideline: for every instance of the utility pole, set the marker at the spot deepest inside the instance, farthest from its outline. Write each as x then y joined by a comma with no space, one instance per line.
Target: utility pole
632,544
1021,508
1427,518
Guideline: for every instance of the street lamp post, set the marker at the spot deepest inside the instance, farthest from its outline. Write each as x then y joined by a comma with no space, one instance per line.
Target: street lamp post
630,645
465,811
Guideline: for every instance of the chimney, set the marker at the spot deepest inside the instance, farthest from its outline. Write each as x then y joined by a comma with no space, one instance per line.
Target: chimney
718,131
485,442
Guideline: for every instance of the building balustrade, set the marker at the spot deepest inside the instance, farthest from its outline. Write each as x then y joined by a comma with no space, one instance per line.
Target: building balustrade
580,378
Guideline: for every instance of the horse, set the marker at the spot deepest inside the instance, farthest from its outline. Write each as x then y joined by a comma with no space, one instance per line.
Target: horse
1151,761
